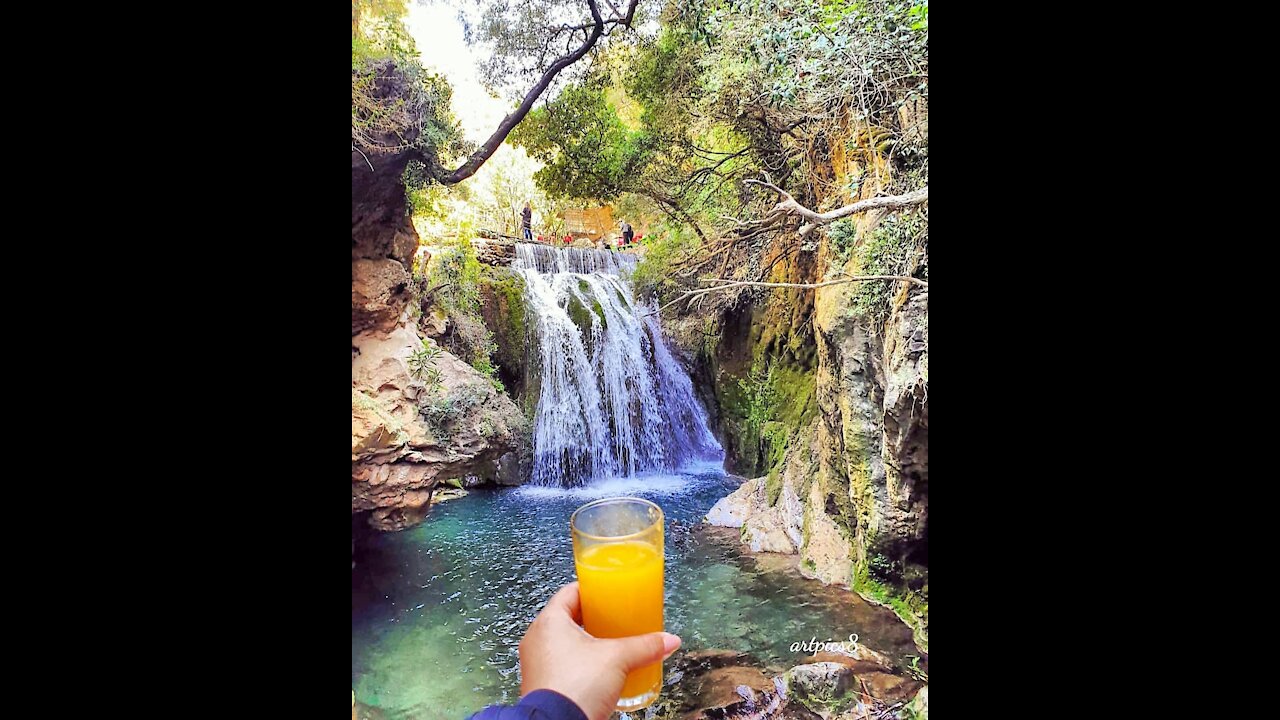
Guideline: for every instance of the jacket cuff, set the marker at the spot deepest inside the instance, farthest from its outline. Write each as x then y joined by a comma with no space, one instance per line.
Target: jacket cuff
551,705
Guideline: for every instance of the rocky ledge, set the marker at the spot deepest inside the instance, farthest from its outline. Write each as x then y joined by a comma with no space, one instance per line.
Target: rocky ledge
407,438
790,513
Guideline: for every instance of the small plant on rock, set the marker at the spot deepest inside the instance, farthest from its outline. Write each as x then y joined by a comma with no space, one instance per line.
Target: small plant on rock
422,366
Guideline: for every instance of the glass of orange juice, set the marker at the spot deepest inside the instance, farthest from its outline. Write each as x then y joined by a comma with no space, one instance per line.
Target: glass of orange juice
617,550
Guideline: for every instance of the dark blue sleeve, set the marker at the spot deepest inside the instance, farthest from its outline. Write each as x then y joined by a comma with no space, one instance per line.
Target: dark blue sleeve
537,705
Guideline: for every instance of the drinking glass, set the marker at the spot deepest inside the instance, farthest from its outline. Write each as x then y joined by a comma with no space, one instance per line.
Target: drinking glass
617,551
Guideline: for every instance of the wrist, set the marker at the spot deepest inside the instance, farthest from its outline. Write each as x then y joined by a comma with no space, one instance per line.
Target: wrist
549,704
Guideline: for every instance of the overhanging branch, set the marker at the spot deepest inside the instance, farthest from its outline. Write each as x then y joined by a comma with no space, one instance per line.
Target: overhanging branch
730,284
788,205
509,122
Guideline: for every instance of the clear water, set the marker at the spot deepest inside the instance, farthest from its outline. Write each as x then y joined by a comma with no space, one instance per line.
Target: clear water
437,611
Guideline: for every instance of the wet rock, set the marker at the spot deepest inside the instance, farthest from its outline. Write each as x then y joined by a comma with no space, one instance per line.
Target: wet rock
765,528
869,673
509,470
714,684
728,685
495,252
767,534
734,509
730,688
825,688
848,688
858,653
679,533
448,493
826,555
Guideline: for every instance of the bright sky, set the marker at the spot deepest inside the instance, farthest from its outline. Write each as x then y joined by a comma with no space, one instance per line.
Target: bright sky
438,34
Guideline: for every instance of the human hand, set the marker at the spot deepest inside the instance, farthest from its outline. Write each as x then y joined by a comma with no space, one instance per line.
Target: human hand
557,654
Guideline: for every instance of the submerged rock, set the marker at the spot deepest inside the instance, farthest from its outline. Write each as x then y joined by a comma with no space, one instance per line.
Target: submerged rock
825,688
728,685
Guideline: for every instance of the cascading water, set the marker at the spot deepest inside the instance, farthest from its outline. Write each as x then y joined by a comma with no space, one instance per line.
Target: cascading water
612,400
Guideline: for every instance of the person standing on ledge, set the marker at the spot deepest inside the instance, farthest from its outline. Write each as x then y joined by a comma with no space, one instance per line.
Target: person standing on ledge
526,222
565,674
627,233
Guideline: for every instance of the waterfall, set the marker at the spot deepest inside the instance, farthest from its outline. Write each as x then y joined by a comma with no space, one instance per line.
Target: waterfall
612,401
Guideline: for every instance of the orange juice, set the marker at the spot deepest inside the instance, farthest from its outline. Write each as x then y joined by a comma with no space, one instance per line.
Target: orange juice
620,586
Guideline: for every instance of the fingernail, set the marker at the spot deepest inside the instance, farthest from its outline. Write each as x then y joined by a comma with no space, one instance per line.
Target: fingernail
670,643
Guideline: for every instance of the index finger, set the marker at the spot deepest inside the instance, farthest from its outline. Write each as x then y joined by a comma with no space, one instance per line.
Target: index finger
566,601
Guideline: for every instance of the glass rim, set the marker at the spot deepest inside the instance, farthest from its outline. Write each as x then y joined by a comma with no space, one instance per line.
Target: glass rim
573,525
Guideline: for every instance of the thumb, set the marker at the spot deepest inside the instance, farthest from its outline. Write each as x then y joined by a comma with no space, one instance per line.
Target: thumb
640,650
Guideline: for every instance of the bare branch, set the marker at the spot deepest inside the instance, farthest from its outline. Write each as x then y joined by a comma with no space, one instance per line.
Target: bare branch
729,284
789,205
366,157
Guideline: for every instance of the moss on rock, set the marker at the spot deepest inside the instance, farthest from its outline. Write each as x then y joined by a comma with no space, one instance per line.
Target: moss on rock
504,311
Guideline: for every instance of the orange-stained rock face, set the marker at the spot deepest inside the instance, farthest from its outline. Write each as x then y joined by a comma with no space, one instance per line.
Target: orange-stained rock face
379,291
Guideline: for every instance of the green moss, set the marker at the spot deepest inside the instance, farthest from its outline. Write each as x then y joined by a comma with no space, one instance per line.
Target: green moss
599,310
775,436
510,288
911,607
579,314
773,487
505,316
795,390
763,411
825,700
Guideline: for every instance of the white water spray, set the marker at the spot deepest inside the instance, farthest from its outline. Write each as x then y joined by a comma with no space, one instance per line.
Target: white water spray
612,401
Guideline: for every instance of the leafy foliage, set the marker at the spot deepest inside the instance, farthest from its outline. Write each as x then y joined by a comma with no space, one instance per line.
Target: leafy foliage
589,152
395,103
671,244
456,272
889,250
524,37
422,365
440,413
483,362
760,390
828,96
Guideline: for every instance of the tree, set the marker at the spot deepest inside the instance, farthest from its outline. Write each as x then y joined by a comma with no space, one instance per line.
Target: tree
588,153
530,30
